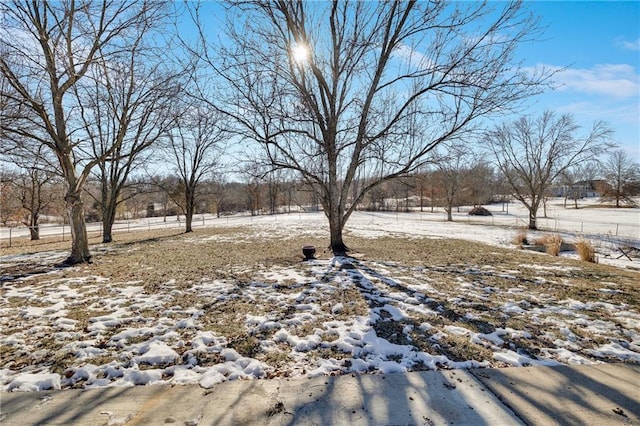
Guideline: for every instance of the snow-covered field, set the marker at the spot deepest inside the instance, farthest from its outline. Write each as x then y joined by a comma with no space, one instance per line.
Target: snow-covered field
591,220
326,316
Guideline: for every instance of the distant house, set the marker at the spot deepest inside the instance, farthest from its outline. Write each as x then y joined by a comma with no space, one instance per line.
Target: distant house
582,189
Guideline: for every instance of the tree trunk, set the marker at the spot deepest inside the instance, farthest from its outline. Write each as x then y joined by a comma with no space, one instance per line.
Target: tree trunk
108,218
532,218
107,207
80,243
188,219
336,225
188,213
337,246
34,230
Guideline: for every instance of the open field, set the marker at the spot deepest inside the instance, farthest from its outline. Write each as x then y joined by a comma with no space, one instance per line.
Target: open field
597,221
237,301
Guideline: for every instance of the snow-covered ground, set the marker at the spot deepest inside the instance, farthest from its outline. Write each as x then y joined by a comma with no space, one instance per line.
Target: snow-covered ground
590,220
310,317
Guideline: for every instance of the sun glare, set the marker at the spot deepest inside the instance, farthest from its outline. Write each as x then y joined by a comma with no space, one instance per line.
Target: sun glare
300,53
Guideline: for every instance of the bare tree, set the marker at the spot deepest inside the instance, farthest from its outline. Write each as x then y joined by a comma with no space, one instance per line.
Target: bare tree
453,174
421,185
219,193
47,49
570,179
170,191
481,182
401,189
36,194
622,177
195,147
125,109
254,194
329,89
532,152
10,205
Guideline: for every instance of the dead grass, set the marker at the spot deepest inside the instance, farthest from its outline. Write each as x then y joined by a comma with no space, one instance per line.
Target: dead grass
164,262
586,251
520,239
552,243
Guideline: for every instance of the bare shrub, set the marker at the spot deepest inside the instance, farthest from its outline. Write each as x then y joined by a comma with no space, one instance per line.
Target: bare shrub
552,242
586,251
520,239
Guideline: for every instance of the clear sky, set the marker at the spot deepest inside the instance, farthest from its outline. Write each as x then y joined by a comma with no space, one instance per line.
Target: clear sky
598,42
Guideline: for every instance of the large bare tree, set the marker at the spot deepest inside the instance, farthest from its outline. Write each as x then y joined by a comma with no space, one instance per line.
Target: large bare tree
125,109
47,48
354,91
531,153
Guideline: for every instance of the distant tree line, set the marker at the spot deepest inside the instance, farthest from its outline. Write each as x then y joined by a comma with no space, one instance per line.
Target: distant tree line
30,197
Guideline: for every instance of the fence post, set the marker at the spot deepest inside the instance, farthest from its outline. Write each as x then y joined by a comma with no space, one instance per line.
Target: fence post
10,236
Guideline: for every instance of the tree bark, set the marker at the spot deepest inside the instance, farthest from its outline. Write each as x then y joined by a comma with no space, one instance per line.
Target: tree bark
533,209
337,245
34,230
80,243
108,218
189,208
188,220
108,208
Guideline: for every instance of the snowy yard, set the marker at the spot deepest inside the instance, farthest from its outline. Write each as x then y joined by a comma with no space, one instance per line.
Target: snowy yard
235,301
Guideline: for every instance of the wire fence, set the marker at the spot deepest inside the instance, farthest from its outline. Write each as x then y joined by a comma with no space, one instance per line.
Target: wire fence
608,232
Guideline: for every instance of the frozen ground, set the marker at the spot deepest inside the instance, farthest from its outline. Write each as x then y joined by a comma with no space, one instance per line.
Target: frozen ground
331,316
601,224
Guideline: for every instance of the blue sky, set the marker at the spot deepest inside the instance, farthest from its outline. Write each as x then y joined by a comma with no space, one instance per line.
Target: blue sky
599,42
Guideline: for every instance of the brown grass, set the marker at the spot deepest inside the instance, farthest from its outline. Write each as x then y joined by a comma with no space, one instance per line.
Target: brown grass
586,251
520,239
552,243
172,263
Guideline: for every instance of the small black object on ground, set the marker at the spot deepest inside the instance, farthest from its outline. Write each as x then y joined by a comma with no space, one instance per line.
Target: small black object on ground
309,252
479,211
